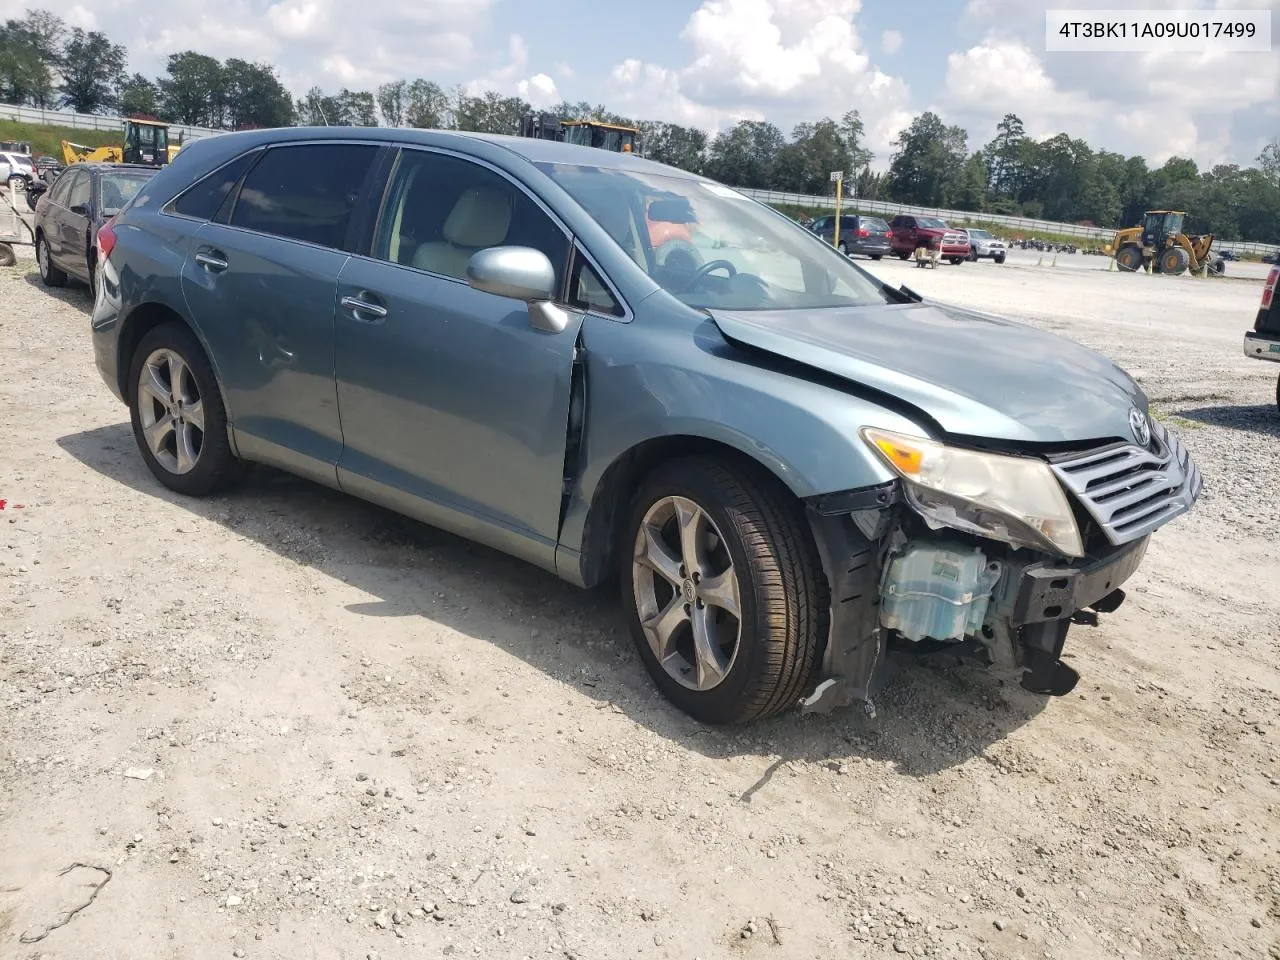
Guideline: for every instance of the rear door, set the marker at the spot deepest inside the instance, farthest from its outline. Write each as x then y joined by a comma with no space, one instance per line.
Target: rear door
260,281
454,408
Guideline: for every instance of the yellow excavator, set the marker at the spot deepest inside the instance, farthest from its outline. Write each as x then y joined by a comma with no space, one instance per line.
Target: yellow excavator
146,142
1160,246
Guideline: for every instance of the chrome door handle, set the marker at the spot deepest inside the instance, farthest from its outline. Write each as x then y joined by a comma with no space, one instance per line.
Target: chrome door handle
211,261
358,306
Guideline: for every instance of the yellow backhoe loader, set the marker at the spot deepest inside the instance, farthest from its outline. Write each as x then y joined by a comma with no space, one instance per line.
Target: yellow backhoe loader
145,142
1160,246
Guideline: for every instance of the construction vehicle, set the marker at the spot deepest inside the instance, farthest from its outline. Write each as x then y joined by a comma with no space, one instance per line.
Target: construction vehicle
587,133
145,142
1160,246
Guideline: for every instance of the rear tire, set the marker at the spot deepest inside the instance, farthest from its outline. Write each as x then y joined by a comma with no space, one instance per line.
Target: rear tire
844,249
956,260
50,275
743,522
876,256
903,255
189,453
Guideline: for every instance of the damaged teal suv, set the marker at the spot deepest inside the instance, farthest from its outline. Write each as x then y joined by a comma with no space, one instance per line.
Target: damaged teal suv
622,372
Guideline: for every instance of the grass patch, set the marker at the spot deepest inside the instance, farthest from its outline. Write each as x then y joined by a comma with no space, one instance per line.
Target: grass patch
47,141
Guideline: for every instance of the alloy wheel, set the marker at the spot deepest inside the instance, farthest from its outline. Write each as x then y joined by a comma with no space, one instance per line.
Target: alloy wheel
171,411
687,593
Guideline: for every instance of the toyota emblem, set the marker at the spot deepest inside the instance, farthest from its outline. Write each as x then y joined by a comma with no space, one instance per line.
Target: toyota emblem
1139,426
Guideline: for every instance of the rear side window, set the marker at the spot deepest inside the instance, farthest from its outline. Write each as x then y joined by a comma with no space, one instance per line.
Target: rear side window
203,200
306,192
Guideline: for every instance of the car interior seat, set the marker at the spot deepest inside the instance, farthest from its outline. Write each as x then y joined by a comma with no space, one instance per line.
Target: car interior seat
480,218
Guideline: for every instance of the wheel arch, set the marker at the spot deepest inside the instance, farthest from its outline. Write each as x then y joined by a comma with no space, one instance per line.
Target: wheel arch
607,513
140,321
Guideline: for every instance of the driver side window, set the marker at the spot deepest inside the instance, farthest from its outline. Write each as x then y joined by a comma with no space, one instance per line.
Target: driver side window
440,210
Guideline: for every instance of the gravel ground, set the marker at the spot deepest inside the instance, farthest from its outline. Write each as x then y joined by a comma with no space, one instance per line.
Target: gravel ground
292,725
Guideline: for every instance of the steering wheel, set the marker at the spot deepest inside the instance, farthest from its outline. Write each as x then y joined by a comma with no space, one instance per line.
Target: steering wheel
708,267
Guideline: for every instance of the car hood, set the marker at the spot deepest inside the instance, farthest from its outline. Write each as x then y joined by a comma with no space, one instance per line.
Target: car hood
974,374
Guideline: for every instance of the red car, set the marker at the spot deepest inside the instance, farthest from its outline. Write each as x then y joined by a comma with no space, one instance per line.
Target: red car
907,232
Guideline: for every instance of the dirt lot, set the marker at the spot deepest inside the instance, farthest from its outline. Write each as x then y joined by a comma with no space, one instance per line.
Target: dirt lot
292,725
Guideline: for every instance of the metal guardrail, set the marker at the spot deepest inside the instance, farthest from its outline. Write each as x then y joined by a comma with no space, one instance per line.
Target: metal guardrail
959,218
89,121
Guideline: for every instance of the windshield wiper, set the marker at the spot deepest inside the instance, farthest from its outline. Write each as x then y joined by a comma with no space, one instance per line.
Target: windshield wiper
902,294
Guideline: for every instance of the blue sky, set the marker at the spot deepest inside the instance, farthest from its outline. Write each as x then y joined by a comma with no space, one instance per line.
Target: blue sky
712,62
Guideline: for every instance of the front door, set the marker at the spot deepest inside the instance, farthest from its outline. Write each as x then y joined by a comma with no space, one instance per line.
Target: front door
454,408
73,227
262,291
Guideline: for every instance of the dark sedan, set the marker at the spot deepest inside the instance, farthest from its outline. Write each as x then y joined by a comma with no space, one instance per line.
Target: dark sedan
868,236
68,217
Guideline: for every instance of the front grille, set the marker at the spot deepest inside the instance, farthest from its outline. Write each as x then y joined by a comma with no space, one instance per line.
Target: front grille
1129,490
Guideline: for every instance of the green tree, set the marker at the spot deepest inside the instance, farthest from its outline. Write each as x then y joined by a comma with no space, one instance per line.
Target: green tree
1269,161
139,96
193,90
30,48
427,106
746,155
970,189
357,108
491,112
1004,157
669,143
254,97
926,165
91,68
393,102
854,133
816,149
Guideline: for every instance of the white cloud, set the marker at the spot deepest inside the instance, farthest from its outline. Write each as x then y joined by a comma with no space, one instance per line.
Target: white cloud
1212,107
322,42
781,60
540,90
890,42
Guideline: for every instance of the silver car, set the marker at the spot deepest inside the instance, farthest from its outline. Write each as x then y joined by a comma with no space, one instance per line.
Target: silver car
624,373
985,244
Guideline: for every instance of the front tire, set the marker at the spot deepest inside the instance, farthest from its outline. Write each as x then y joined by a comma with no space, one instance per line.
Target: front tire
723,590
956,261
1129,258
179,422
876,256
999,258
50,275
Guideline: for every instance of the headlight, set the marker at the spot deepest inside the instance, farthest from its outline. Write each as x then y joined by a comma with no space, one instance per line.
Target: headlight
1014,499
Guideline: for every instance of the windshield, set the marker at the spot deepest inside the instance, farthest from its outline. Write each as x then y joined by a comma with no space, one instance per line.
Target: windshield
933,222
875,223
710,246
118,189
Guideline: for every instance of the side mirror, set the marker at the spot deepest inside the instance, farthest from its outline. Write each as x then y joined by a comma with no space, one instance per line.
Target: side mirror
520,273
